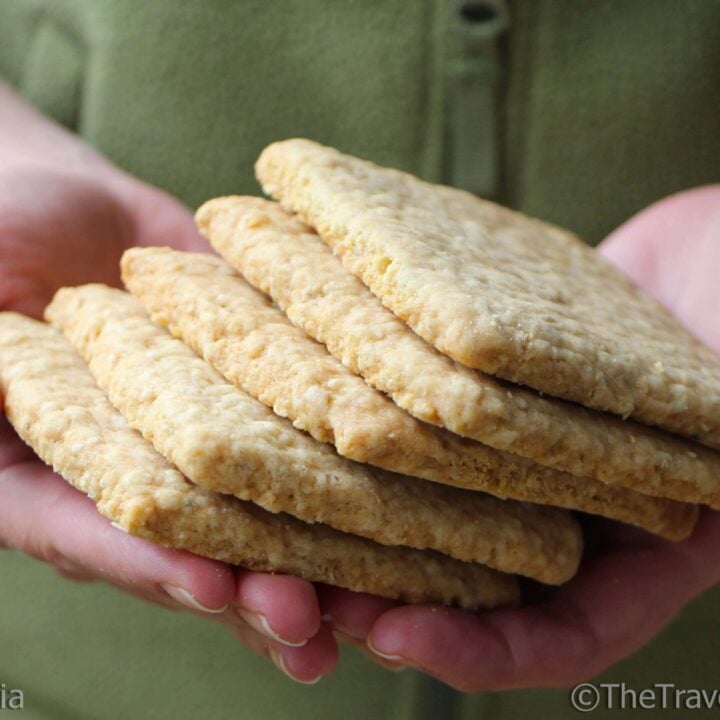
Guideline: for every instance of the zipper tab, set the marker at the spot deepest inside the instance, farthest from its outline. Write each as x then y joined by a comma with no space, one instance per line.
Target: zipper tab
473,95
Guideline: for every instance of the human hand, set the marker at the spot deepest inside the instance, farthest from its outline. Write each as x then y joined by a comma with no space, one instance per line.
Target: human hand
66,223
630,583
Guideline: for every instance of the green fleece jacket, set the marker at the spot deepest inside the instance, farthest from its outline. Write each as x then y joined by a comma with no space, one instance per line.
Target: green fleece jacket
578,111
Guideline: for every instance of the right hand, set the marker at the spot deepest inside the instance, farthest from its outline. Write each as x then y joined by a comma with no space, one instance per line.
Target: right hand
66,223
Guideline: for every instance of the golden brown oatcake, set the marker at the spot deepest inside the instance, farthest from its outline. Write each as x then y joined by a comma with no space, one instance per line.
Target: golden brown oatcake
56,407
502,292
281,256
203,301
225,440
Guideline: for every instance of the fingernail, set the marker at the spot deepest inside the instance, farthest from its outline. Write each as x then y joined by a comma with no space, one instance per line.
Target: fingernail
188,599
259,622
277,658
384,656
361,645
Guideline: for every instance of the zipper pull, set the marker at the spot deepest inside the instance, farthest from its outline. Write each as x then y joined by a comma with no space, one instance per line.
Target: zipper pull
474,95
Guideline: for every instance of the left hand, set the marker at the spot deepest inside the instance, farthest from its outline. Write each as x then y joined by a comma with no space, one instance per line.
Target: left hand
630,583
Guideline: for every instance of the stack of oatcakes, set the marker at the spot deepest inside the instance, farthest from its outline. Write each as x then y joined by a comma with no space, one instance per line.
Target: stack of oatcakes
383,384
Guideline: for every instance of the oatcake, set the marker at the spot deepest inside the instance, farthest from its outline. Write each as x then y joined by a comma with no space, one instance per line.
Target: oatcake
281,256
225,440
235,328
502,292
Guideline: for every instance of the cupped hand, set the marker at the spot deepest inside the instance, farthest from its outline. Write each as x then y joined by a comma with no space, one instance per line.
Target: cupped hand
630,584
67,226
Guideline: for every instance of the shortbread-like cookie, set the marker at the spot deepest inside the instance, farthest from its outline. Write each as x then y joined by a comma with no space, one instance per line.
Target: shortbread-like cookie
235,328
56,407
282,257
225,440
502,292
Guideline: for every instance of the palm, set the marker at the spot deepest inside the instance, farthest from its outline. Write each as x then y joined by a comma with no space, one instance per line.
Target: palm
630,584
672,251
63,229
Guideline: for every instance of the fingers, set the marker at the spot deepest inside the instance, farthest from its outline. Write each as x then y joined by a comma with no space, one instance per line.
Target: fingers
276,615
284,613
282,607
615,605
309,663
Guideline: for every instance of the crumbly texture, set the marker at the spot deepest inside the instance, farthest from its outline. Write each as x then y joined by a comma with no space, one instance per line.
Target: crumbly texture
225,440
281,256
502,292
55,405
203,301
253,345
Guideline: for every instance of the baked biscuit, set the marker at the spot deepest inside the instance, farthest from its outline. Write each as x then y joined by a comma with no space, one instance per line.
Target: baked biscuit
226,441
235,328
502,292
57,408
282,257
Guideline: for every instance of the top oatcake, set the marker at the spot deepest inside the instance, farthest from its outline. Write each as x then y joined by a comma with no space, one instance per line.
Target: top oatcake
502,292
